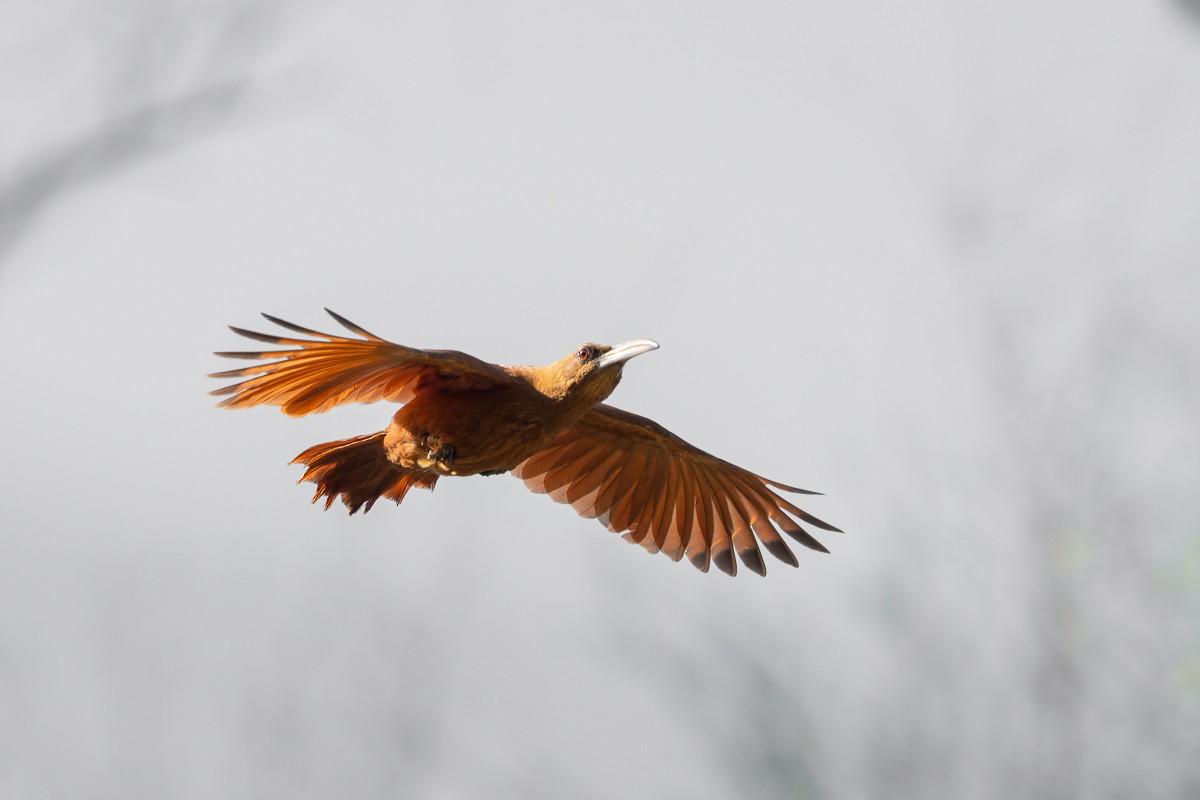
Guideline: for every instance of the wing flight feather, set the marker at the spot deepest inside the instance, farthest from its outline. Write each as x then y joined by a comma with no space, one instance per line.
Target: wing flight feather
328,370
657,490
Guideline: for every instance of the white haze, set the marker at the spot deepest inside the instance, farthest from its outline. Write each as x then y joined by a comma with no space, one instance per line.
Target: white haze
939,261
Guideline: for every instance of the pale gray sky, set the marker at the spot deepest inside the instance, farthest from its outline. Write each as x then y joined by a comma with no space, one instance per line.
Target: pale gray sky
938,261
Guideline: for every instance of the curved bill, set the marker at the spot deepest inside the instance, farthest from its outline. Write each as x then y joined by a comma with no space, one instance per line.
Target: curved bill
625,351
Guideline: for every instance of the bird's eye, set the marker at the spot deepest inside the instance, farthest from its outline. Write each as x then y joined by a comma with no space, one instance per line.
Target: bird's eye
586,353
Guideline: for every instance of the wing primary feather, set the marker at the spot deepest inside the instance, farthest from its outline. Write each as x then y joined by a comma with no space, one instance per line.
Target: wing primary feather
350,326
804,515
686,506
722,540
241,372
700,544
674,543
752,558
771,539
248,354
268,338
774,542
762,514
666,533
743,533
785,487
699,559
291,326
722,556
793,529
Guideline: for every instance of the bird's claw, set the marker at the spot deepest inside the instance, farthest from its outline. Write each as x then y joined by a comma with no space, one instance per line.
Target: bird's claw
443,455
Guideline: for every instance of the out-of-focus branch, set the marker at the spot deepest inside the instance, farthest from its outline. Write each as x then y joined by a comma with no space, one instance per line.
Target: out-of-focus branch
133,136
168,76
1190,9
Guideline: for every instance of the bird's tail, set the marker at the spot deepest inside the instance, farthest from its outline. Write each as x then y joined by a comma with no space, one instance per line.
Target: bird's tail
359,471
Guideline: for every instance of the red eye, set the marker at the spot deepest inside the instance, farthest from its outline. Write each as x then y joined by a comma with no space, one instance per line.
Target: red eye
586,353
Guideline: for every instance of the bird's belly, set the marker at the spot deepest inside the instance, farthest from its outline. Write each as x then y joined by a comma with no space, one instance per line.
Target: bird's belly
466,434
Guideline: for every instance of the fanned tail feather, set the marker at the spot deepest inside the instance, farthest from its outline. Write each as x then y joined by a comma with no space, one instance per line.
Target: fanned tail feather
358,470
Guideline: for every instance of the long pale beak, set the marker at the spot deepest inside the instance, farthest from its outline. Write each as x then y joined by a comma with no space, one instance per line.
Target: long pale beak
626,351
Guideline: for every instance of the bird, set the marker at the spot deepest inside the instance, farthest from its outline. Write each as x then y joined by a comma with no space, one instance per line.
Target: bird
548,426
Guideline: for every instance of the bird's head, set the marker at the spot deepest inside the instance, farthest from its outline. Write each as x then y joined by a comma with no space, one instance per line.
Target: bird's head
592,372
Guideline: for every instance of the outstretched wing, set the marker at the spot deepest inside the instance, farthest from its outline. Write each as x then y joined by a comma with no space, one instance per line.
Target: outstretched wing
329,371
639,478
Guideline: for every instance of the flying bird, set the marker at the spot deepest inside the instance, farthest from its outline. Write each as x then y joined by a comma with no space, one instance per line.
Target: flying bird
546,425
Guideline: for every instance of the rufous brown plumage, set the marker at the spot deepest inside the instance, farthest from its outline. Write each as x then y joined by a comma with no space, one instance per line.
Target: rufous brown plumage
547,425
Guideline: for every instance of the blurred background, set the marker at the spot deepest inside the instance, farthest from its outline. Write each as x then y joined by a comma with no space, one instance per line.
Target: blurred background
940,261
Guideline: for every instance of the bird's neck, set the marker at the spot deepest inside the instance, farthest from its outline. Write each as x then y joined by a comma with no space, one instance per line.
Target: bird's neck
572,399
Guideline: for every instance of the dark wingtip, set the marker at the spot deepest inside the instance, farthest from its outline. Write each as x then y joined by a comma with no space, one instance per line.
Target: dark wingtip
350,326
291,326
780,550
260,337
228,373
786,488
822,524
802,536
753,559
340,319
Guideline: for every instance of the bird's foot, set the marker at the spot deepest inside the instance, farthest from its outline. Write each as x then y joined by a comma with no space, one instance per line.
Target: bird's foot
443,455
493,472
